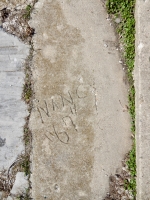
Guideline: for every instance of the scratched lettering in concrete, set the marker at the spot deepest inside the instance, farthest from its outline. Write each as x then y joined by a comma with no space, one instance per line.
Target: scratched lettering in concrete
65,108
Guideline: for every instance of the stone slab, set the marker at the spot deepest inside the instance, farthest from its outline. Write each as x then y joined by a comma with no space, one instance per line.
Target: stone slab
13,109
142,81
81,131
21,184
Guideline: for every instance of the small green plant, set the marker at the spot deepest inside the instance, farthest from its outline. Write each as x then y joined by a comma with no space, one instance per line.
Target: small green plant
27,88
131,163
27,91
25,196
27,135
28,12
27,138
25,165
124,9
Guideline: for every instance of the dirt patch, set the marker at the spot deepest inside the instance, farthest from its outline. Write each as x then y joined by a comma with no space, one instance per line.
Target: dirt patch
16,23
14,17
117,183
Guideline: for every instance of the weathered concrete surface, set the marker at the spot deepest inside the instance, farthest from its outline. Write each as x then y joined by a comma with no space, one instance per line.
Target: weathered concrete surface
12,108
81,132
142,80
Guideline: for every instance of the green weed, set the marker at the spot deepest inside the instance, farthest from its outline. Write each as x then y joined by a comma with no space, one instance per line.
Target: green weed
27,90
124,9
25,196
131,163
25,164
28,12
27,95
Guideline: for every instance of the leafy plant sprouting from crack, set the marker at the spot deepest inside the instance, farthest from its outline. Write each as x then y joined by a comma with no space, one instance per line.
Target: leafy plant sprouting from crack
28,12
124,10
27,96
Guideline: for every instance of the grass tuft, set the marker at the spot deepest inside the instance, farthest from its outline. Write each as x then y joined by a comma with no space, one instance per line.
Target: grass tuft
28,11
124,9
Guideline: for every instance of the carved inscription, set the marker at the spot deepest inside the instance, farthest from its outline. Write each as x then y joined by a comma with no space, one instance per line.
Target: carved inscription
61,136
59,113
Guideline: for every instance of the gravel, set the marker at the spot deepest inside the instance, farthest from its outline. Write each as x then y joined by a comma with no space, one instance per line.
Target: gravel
14,18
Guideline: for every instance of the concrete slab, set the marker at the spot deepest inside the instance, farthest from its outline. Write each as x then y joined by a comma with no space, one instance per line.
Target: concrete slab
142,78
81,131
12,108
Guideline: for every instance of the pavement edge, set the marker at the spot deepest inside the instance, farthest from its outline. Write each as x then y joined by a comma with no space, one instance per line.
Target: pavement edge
142,98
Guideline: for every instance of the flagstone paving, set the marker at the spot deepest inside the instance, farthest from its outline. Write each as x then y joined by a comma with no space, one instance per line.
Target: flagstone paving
13,109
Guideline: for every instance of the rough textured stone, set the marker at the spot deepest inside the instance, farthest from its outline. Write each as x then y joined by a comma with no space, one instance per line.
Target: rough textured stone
9,198
142,80
20,185
81,132
117,20
12,108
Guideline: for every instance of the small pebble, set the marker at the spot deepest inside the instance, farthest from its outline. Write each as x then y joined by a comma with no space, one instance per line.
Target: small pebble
117,20
56,187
